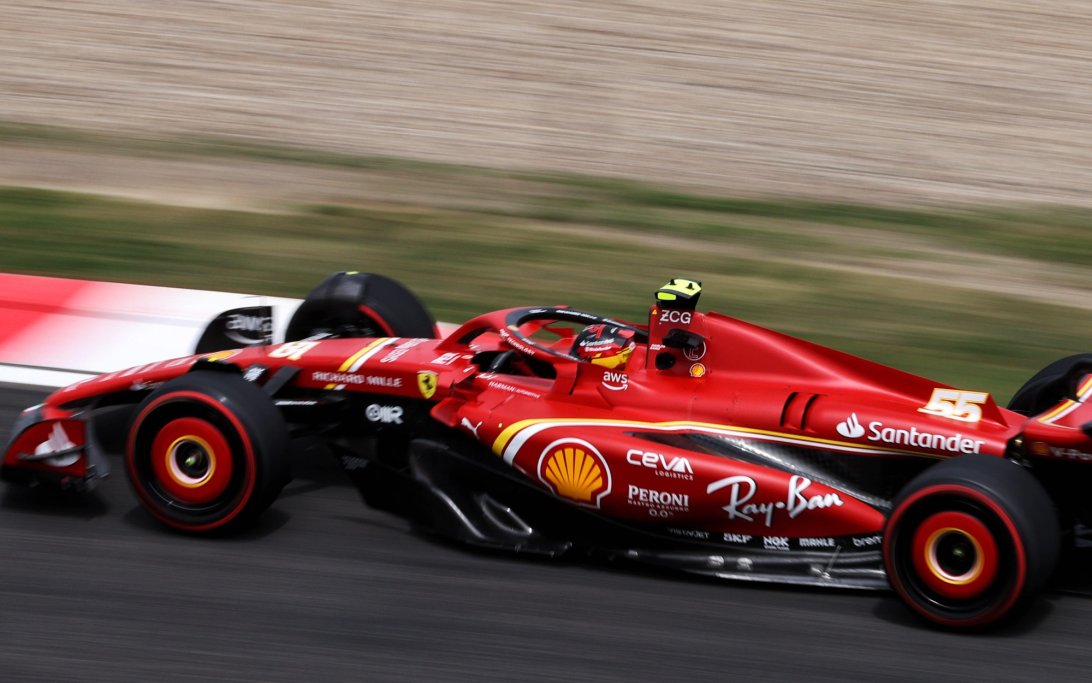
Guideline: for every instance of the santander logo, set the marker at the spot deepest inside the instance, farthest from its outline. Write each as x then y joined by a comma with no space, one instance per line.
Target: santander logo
851,428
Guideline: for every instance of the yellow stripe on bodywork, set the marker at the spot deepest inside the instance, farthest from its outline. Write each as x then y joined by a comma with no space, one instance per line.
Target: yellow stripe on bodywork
500,445
1085,391
352,360
1065,408
356,356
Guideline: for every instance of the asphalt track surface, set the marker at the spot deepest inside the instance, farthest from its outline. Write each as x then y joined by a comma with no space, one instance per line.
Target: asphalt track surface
326,589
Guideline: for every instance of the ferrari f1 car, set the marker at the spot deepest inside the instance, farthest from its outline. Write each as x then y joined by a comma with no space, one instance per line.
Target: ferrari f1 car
692,441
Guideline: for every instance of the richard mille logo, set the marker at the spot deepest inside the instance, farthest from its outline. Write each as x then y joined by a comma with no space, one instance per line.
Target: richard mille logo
851,428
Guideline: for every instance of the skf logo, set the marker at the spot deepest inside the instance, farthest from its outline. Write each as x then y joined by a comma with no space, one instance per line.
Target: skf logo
573,469
426,383
851,428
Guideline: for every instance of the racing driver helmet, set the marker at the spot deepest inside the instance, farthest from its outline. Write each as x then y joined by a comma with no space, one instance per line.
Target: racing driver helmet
604,344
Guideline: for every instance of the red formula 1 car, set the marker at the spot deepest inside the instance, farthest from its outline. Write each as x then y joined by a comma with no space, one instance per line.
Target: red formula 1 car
693,441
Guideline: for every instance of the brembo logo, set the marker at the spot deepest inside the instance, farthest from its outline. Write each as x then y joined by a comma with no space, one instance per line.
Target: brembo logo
851,428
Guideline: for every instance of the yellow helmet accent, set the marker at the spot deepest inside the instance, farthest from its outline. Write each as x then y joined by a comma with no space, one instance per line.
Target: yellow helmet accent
611,362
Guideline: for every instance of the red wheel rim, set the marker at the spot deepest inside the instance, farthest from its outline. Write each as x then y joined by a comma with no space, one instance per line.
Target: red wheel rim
191,460
955,554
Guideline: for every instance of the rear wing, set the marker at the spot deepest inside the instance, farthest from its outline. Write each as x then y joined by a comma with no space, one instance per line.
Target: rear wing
1066,428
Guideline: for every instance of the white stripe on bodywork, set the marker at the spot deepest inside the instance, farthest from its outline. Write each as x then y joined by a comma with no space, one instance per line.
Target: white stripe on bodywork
517,442
360,361
364,358
1052,419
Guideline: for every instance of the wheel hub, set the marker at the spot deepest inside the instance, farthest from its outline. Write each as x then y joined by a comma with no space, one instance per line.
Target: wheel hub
192,459
956,554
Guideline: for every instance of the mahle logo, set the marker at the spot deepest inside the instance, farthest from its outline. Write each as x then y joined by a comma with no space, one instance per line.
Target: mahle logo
851,428
573,469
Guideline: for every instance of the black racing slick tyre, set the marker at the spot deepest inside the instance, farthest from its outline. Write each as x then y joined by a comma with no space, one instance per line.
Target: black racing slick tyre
207,452
970,540
1050,385
360,305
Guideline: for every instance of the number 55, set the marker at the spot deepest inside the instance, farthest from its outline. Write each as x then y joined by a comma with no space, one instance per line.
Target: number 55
953,404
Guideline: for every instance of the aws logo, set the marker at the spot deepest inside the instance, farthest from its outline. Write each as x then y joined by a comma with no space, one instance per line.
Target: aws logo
574,470
615,381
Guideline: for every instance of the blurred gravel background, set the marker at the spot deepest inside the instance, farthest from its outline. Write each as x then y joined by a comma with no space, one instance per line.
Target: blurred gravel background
933,102
877,101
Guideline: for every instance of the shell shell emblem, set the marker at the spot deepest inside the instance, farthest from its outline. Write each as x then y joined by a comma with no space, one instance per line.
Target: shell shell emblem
575,470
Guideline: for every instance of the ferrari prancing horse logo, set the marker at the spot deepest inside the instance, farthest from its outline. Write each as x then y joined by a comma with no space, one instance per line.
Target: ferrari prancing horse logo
426,383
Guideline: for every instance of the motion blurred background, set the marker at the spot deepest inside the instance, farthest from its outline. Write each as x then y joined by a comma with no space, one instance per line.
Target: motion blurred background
907,181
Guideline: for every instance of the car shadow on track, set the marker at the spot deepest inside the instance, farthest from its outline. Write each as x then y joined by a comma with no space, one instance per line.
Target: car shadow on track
47,501
621,566
893,611
883,605
268,523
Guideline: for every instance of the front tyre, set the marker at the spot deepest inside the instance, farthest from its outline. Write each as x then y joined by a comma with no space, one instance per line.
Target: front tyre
970,540
207,452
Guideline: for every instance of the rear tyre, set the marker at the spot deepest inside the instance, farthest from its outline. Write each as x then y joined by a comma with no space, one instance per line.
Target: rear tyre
1050,385
360,305
207,452
970,540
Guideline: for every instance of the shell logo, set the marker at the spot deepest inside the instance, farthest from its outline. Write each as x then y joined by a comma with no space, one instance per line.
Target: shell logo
575,470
